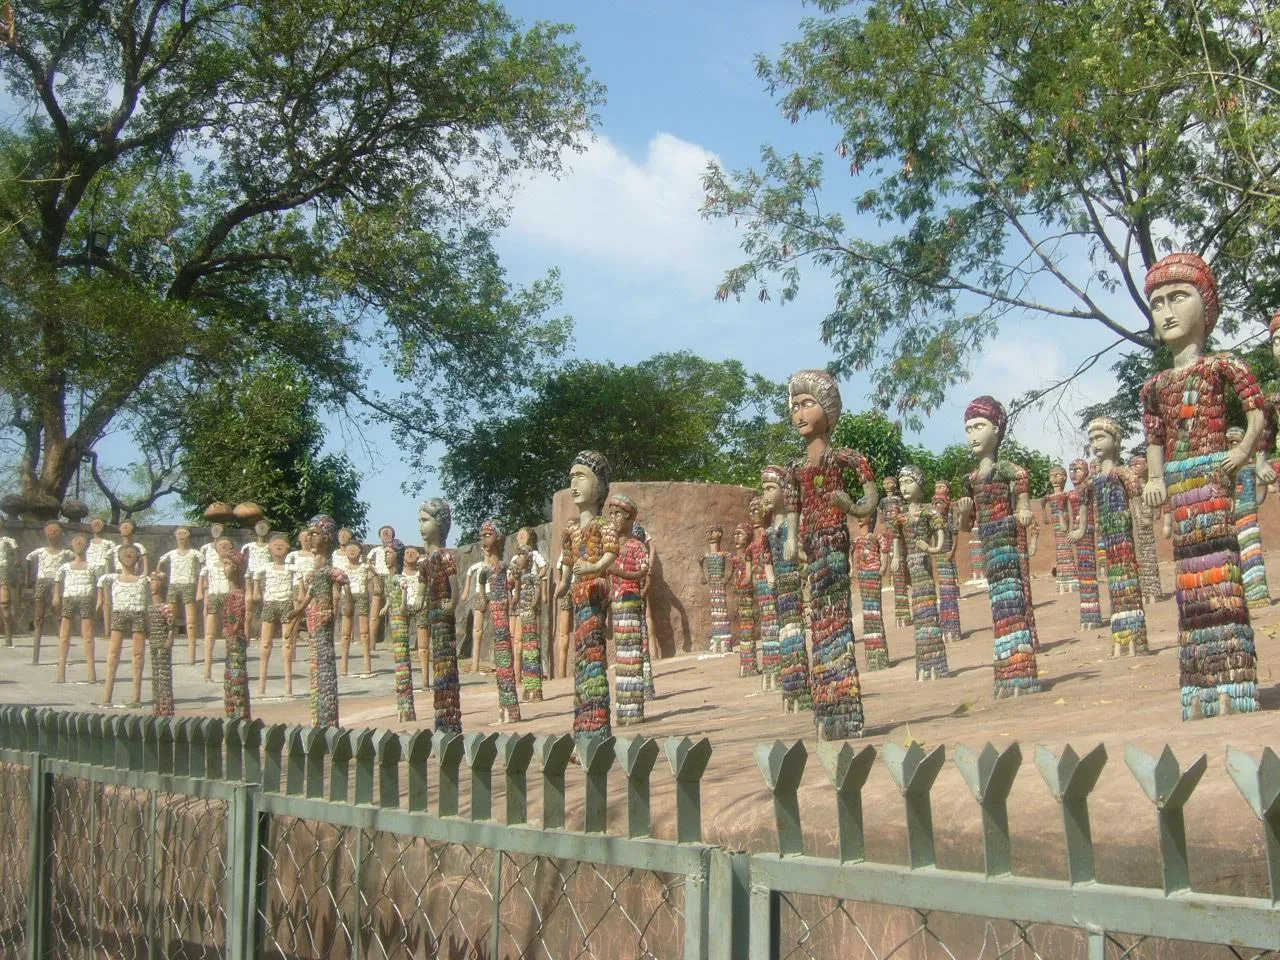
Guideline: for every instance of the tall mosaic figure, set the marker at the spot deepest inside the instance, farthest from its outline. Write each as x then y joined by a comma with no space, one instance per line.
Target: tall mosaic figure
764,582
871,563
891,539
822,506
775,490
924,534
714,570
1111,488
627,609
997,503
746,623
1080,501
945,564
1249,495
320,598
589,549
1057,513
1193,467
1144,535
438,571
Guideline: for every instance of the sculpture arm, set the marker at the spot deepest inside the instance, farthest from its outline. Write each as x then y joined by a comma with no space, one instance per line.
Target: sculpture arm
449,604
1155,493
897,554
702,570
935,546
1262,486
1033,540
1167,526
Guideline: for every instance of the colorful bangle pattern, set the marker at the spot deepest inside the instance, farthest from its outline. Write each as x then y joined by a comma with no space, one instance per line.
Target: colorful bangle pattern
324,665
628,633
1144,539
721,626
1064,551
977,560
1184,411
590,595
398,635
948,577
995,497
504,665
931,651
744,629
793,665
235,670
161,660
837,695
1115,536
1087,562
766,608
867,554
446,699
1249,533
530,638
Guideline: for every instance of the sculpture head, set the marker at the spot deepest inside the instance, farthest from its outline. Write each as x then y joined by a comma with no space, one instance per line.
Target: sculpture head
621,511
128,557
911,482
96,526
759,511
1234,435
262,529
233,561
589,480
493,537
79,544
323,534
182,537
344,536
522,560
742,535
1139,467
53,532
815,402
1183,296
128,528
527,537
942,494
985,422
639,532
393,553
890,485
1079,471
1058,478
386,533
715,534
354,554
435,517
215,530
278,547
157,586
1105,435
411,557
775,484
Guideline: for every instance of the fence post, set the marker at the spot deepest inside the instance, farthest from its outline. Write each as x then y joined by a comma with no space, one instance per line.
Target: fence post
1071,778
688,759
517,752
481,751
39,841
417,751
990,775
1169,788
596,754
848,771
242,841
638,755
1259,781
450,759
554,753
914,772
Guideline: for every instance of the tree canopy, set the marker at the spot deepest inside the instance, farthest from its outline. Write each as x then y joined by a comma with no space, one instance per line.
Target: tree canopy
673,416
194,188
1011,160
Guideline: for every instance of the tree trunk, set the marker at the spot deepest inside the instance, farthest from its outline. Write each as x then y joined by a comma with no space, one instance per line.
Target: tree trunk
48,472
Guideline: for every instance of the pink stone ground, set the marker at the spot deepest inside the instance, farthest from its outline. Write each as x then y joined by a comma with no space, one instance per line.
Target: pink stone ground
1088,699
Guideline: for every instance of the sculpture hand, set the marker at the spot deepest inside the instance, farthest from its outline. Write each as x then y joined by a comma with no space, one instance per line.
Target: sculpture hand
1075,536
1236,458
842,501
583,567
897,564
1024,518
790,550
1155,493
965,506
1266,474
925,546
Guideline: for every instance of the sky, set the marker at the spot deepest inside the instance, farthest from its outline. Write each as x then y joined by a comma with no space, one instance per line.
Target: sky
639,267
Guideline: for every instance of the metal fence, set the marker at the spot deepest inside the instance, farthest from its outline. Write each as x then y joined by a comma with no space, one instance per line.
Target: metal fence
134,837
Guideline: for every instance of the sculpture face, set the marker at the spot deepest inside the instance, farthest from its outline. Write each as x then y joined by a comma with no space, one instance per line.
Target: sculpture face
215,529
1102,444
773,497
491,541
344,537
890,485
354,553
428,526
1178,313
128,527
808,417
1058,477
714,535
758,512
261,529
224,547
129,557
620,520
1139,466
911,490
584,486
740,537
981,434
182,536
279,549
97,525
392,558
79,544
411,558
386,534
1275,347
1079,475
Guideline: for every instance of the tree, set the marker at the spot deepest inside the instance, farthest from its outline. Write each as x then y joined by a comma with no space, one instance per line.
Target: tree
1011,160
259,438
672,417
194,187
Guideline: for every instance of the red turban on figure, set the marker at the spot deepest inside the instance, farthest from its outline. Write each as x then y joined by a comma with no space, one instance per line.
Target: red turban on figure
988,408
1188,268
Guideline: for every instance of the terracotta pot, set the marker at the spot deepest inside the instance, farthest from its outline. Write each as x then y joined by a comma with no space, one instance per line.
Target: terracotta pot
219,512
248,513
15,504
75,510
44,507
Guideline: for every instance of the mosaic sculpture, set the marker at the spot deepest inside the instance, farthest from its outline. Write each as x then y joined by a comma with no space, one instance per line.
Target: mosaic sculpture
235,671
997,503
649,647
1249,495
1112,487
871,564
1080,501
589,549
496,603
183,568
48,561
530,582
1144,535
713,569
921,536
9,580
744,625
395,601
274,589
73,595
823,505
438,571
160,641
977,563
125,594
1193,467
763,579
361,587
793,658
319,599
945,564
626,576
891,536
1057,513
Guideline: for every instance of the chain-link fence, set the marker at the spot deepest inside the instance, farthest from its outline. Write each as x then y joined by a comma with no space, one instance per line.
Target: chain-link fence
15,827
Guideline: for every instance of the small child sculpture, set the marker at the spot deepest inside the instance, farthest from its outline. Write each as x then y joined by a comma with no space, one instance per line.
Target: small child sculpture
713,569
1080,501
890,540
355,618
1112,487
1249,495
627,605
73,594
1193,465
213,589
274,588
776,491
924,534
528,602
945,564
257,555
394,588
745,595
377,561
763,578
48,560
997,503
1057,513
101,552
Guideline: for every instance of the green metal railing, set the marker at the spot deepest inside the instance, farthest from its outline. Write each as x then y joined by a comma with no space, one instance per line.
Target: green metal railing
126,836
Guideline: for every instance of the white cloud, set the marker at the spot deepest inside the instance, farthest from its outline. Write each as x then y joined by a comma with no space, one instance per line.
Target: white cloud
637,214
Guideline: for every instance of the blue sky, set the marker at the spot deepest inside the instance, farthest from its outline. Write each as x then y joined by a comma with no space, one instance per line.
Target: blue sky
639,267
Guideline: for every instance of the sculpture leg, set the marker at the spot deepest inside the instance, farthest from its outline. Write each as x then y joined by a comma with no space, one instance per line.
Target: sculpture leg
6,613
64,648
139,649
86,634
113,663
